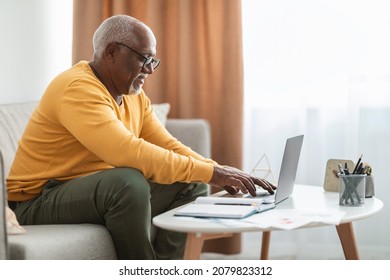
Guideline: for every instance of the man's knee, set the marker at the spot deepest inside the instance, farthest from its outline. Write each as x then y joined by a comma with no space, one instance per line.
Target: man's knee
128,183
191,191
203,189
199,189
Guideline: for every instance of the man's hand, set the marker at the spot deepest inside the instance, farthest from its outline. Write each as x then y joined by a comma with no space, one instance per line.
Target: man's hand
234,180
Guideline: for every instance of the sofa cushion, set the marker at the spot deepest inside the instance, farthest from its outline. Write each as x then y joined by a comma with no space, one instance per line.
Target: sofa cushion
13,226
161,111
62,242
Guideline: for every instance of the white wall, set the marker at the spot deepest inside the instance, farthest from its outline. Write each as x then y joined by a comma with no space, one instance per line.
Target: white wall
36,45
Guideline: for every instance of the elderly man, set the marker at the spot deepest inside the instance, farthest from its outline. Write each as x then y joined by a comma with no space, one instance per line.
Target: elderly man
94,152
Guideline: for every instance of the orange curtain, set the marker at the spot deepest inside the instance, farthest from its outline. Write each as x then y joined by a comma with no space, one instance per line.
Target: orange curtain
199,43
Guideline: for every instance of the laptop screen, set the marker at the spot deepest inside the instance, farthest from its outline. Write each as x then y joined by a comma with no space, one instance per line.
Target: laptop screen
289,167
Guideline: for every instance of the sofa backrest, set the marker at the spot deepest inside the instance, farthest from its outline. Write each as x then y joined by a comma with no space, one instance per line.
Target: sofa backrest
13,120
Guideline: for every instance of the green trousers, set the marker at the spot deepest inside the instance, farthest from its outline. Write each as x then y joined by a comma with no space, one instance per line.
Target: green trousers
123,201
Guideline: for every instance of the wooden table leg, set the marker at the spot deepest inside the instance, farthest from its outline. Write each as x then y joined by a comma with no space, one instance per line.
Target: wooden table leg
194,246
348,242
195,241
266,238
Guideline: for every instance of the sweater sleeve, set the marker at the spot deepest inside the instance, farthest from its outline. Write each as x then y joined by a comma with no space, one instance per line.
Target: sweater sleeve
155,132
91,118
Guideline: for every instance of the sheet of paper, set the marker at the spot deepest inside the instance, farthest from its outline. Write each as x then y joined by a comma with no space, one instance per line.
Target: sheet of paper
285,219
293,218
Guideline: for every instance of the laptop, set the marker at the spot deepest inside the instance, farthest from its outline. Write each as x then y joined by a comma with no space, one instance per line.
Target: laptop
288,172
226,206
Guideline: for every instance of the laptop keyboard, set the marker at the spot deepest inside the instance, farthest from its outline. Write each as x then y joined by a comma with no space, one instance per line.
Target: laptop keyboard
260,193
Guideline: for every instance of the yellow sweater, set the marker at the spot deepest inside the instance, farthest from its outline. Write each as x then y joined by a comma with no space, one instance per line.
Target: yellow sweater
78,129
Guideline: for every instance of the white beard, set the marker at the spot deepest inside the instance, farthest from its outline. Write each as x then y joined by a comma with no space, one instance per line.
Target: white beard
134,91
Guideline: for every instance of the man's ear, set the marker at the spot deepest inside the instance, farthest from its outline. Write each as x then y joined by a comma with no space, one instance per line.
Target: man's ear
110,51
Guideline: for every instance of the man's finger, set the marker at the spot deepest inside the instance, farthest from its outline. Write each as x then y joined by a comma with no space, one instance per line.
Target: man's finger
231,190
265,185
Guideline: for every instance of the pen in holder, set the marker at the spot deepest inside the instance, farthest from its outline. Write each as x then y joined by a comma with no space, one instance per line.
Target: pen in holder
352,189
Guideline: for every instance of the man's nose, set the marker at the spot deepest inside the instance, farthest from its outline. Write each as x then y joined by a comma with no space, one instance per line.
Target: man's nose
148,69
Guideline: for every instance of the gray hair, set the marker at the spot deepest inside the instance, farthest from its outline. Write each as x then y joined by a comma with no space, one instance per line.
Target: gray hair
117,28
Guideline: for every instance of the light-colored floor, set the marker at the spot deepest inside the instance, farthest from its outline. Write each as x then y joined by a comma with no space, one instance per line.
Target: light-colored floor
250,249
251,245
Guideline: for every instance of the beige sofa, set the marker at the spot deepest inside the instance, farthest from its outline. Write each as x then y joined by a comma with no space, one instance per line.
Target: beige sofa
71,241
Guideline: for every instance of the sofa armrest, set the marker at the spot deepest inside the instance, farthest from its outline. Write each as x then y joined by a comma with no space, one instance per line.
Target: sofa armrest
3,225
194,133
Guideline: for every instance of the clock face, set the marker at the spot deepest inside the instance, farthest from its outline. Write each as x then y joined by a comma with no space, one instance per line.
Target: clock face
331,180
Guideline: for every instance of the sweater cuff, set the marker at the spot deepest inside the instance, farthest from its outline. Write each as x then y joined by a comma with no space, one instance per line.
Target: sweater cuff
203,172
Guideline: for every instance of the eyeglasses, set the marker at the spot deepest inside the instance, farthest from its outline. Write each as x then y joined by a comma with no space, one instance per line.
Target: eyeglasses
147,60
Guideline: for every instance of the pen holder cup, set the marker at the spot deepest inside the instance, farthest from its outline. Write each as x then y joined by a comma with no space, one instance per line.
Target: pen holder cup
352,189
370,190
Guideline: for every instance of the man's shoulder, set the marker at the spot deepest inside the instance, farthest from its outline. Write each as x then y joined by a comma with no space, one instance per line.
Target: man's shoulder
76,83
79,76
79,71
